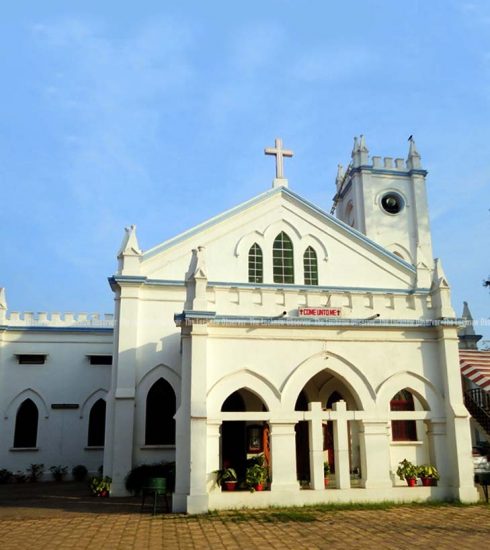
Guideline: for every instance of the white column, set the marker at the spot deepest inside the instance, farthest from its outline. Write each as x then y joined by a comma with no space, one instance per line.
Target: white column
191,454
119,440
457,427
375,454
341,446
283,455
439,457
214,444
315,436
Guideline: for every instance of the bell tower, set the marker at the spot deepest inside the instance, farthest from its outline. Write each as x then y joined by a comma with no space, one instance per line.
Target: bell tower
386,200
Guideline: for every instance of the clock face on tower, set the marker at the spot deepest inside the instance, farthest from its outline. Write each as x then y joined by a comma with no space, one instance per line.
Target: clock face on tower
392,202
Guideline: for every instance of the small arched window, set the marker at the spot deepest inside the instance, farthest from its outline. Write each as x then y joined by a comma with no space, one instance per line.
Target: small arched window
26,422
96,424
160,412
403,430
255,264
310,264
283,259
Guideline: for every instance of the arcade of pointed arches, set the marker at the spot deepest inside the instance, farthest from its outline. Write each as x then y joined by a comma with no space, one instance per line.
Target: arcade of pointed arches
247,406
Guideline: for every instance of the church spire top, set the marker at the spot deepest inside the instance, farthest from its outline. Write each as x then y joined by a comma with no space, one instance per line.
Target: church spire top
279,153
467,337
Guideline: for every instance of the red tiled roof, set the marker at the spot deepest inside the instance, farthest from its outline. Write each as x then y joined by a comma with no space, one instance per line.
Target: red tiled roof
475,365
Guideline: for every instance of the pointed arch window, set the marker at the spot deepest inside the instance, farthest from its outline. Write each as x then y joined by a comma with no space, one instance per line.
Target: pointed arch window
96,424
283,259
160,412
403,430
26,422
310,264
255,264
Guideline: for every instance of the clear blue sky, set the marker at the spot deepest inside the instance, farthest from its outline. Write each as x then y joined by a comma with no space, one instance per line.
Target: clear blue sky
157,113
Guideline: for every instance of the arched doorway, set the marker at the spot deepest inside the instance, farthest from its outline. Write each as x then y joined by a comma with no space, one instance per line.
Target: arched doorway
326,388
241,440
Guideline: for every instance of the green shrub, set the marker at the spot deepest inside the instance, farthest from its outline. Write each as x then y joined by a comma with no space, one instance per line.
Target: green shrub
139,475
6,476
20,477
35,471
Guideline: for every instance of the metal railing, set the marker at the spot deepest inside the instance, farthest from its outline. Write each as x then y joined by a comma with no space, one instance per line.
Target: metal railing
477,401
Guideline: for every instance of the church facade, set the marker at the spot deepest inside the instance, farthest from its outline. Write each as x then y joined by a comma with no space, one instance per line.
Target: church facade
274,329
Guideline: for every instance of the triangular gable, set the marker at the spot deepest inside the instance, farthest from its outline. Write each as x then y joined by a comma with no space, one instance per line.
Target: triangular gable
295,198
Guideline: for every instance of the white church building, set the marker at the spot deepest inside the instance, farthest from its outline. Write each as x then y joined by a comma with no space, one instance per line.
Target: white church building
274,328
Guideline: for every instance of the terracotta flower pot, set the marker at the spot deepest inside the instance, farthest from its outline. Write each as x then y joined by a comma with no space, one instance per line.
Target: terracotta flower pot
259,487
326,480
229,485
411,481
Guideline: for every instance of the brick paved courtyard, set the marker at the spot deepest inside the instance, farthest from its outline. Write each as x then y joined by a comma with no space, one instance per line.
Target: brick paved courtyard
62,516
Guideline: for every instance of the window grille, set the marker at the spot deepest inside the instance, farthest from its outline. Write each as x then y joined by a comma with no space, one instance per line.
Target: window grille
283,259
255,264
311,266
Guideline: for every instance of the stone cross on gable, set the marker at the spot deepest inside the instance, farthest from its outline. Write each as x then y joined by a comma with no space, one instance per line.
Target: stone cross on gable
279,153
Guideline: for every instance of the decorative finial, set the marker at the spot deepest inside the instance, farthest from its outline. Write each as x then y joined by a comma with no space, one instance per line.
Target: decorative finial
3,299
413,160
362,145
129,255
196,280
355,147
359,152
340,176
129,245
279,153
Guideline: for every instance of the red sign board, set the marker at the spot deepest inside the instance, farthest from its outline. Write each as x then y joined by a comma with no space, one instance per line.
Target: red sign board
319,311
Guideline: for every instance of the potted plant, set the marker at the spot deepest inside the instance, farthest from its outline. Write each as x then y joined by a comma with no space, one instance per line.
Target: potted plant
226,478
407,471
59,472
326,472
428,474
256,476
35,471
100,486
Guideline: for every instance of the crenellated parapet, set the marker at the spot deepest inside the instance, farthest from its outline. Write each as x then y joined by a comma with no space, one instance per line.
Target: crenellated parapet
29,319
341,303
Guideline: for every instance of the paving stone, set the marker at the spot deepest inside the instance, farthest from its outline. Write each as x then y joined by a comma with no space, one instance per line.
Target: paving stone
66,517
